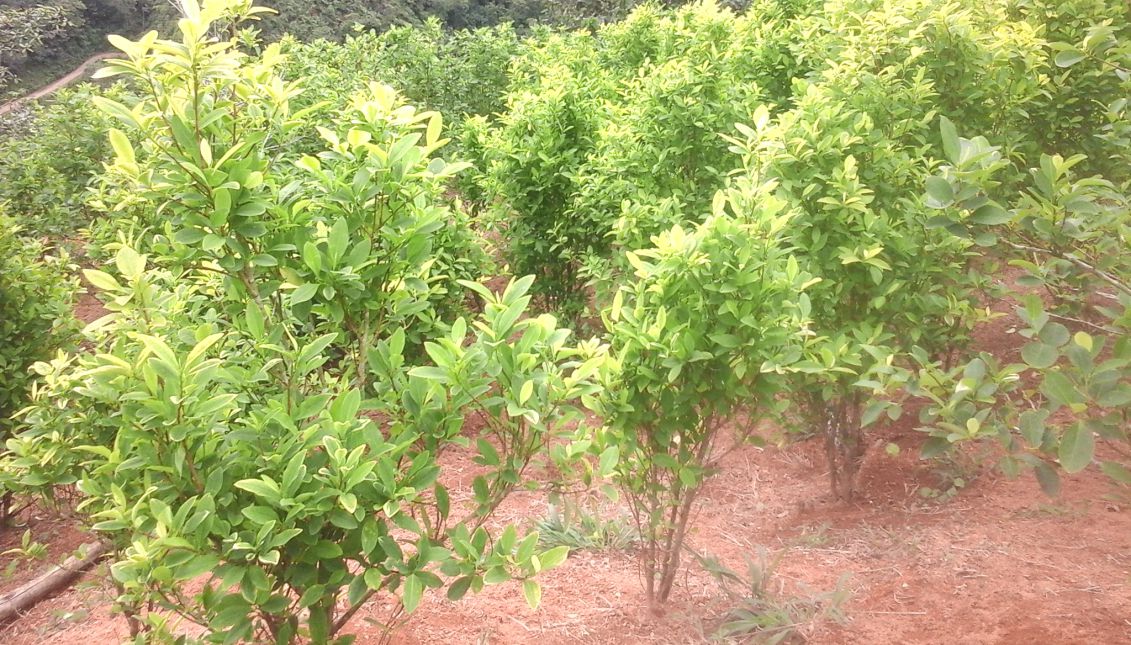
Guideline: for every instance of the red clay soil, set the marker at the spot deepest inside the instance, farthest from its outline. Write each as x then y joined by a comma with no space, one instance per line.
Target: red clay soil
996,563
88,308
54,531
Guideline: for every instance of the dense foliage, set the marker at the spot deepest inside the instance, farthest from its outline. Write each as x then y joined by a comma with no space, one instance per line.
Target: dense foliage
43,39
274,433
686,356
454,72
48,158
610,138
25,30
36,295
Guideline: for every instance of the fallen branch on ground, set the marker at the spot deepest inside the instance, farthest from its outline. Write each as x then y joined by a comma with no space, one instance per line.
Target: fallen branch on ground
12,605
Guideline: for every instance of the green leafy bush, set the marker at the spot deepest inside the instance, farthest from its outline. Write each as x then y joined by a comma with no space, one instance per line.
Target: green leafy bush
613,137
354,238
248,414
24,30
977,65
543,139
886,282
1072,108
36,293
1065,234
48,159
706,332
457,73
240,455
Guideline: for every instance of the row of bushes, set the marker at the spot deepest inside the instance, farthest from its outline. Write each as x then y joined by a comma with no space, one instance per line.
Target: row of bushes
844,116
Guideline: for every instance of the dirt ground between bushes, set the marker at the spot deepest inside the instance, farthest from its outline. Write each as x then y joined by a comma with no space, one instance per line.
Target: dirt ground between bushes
996,563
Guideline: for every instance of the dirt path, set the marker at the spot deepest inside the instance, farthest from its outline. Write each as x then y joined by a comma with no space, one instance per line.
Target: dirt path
58,84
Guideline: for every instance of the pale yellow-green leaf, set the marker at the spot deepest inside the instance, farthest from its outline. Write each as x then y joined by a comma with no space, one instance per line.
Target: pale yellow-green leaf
130,263
1083,340
101,280
533,592
525,392
435,124
121,145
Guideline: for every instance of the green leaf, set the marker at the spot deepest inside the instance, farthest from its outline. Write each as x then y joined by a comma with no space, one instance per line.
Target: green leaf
459,588
356,591
130,263
940,192
197,566
1039,355
253,316
161,350
525,392
495,575
517,288
348,502
435,124
991,215
1032,425
212,242
1048,478
1117,472
950,140
488,455
338,241
1068,57
483,291
411,593
873,412
121,145
116,110
1060,389
189,236
1077,447
101,280
554,557
304,293
610,457
222,202
728,341
260,514
533,592
1084,340
430,373
1054,334
260,487
1116,397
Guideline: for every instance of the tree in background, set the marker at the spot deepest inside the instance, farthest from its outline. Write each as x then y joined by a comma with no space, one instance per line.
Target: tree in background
26,30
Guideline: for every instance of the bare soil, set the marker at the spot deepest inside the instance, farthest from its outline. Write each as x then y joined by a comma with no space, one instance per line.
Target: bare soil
997,562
